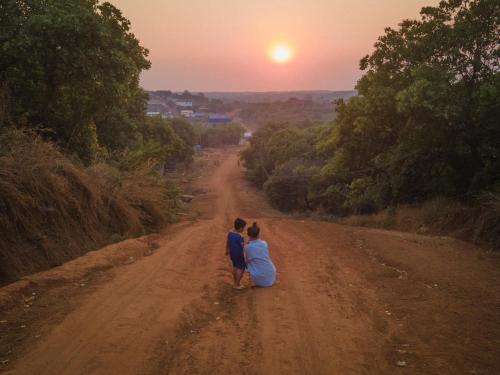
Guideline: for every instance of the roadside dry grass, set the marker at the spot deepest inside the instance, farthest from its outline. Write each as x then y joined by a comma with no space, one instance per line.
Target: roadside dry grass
479,224
53,210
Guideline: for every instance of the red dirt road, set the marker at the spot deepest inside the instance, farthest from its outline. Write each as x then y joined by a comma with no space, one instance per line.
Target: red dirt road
348,301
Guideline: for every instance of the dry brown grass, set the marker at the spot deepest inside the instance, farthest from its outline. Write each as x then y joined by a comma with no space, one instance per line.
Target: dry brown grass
479,224
52,210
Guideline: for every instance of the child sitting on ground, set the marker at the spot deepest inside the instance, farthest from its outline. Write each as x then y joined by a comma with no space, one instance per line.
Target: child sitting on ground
234,248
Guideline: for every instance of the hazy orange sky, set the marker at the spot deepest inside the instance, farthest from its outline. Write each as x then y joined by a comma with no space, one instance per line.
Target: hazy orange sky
222,45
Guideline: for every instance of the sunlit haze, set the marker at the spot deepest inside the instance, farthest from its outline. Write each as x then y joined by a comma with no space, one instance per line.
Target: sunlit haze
223,45
280,53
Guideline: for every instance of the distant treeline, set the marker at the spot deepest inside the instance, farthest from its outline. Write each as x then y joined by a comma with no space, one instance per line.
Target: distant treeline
293,111
425,123
320,96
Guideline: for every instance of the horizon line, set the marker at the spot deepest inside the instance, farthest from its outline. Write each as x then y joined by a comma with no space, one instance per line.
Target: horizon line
250,91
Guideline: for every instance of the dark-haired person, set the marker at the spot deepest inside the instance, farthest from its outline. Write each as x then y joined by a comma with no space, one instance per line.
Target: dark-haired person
234,248
259,263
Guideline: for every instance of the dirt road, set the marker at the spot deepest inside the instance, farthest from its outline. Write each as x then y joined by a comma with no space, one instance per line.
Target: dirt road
348,301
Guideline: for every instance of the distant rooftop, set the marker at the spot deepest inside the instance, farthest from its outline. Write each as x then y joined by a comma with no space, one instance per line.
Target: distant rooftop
157,107
218,119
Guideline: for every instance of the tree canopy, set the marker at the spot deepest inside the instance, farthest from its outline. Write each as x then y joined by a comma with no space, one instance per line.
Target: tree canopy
72,67
219,135
424,123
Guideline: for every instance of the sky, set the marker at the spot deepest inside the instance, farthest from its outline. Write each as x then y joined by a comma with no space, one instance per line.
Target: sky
223,45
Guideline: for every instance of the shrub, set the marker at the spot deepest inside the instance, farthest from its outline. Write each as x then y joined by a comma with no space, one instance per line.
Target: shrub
288,186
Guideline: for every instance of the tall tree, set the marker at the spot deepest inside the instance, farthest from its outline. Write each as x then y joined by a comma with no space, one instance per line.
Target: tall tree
71,66
426,119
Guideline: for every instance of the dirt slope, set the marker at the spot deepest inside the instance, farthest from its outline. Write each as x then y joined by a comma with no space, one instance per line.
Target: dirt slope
347,301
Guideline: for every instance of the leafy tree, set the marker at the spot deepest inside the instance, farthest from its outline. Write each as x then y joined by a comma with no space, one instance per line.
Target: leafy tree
185,131
288,187
425,122
276,151
72,66
219,135
159,142
257,160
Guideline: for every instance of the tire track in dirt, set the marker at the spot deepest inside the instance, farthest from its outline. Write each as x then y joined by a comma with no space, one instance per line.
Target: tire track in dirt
113,329
116,328
331,322
308,323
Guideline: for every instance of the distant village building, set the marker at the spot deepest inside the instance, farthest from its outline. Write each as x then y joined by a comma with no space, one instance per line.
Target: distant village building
188,113
247,135
162,115
218,119
184,104
158,109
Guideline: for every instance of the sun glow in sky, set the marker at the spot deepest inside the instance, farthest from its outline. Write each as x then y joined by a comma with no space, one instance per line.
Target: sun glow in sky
281,53
223,45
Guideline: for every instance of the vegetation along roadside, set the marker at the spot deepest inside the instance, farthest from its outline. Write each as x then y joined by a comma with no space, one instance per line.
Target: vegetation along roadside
423,127
81,165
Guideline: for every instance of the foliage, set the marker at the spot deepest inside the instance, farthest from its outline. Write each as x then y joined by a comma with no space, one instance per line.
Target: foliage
169,143
219,135
187,134
288,187
284,161
424,125
72,67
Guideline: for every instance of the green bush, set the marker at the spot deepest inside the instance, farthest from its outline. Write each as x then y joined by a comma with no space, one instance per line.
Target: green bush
288,187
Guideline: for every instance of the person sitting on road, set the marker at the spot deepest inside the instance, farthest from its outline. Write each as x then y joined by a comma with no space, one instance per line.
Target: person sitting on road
259,264
234,248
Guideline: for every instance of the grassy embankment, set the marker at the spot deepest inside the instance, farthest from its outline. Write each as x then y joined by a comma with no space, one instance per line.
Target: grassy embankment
53,210
479,224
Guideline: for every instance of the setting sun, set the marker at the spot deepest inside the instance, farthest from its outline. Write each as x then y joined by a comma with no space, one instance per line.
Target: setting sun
281,53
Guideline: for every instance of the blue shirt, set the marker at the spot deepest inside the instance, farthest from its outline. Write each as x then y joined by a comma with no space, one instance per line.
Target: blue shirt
259,263
235,244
